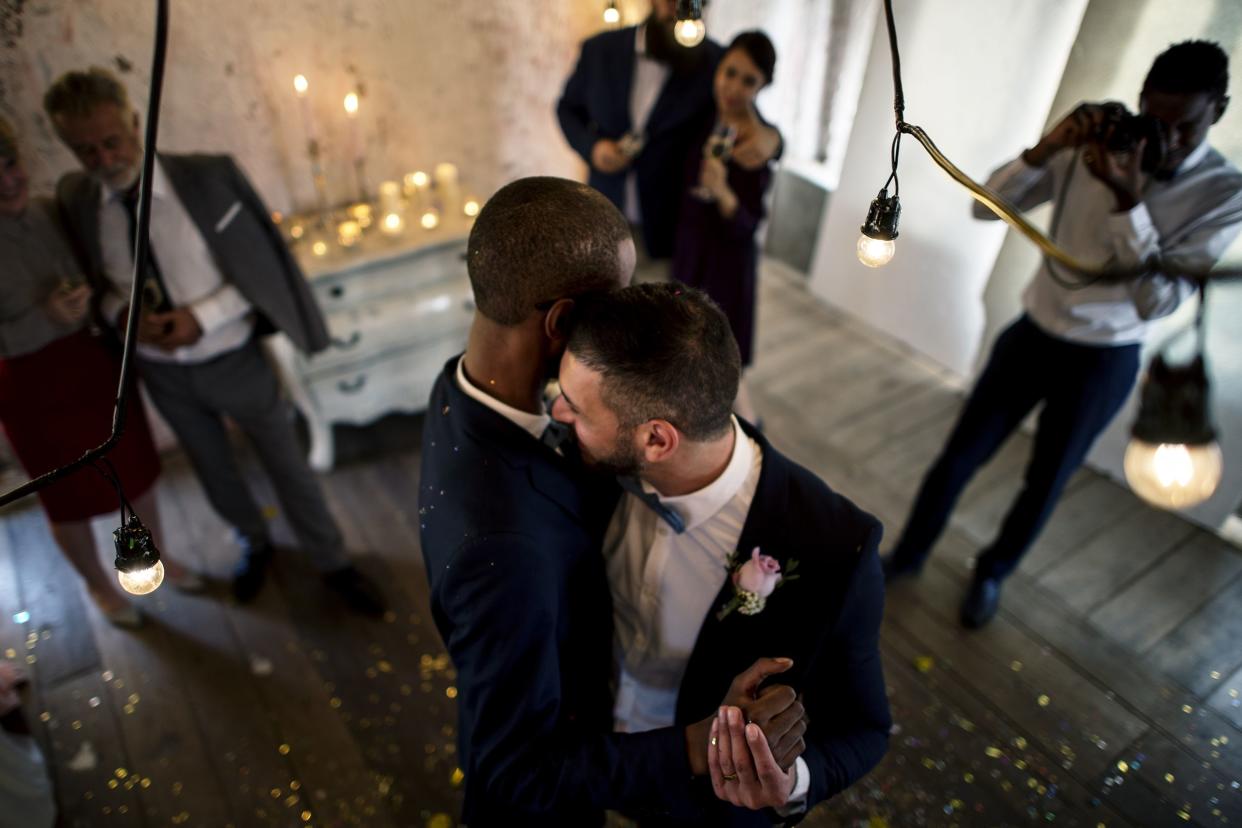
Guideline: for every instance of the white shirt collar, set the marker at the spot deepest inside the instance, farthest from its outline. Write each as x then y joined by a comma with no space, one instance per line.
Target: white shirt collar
1196,156
159,185
534,424
696,508
640,40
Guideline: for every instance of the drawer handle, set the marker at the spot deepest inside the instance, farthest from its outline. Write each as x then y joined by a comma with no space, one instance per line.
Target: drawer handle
336,291
346,344
352,387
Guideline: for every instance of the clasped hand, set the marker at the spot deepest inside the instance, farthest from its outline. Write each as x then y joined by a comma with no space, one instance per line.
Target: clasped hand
167,331
755,738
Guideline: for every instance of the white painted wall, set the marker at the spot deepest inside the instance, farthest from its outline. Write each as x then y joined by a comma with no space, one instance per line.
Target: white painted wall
976,73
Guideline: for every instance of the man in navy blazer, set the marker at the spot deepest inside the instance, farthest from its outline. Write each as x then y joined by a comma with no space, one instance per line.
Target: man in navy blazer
511,530
639,81
721,550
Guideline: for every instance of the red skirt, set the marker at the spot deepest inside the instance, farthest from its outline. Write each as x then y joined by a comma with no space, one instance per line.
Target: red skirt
56,404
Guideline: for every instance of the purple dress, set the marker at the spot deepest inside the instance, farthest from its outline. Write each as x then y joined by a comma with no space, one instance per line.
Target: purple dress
718,255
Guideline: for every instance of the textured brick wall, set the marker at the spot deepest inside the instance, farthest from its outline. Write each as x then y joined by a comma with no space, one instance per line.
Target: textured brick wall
468,81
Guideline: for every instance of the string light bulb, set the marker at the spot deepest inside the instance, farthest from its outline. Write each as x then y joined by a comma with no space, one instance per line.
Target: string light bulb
689,30
138,565
300,85
877,245
612,16
351,104
1173,460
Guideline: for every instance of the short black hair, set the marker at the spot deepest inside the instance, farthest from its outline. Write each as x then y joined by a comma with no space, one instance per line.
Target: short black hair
1189,68
758,47
664,351
540,239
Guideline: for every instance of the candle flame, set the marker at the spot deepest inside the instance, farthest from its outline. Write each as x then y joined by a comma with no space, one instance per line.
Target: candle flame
351,103
300,85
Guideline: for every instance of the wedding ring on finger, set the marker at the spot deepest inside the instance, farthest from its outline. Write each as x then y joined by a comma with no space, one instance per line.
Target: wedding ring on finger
729,777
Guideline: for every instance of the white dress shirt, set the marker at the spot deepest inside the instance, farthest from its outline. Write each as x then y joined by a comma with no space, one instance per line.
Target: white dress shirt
665,584
1190,219
186,266
648,82
534,424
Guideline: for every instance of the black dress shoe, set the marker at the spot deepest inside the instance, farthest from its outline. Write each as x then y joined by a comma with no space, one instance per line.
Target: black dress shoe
895,570
359,592
981,602
250,572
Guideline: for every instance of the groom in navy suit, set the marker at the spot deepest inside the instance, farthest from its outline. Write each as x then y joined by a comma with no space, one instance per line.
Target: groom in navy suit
721,550
511,528
633,108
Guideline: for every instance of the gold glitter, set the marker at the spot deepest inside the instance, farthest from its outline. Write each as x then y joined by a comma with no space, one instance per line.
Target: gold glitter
1168,777
112,784
1185,815
1215,674
451,692
45,716
1187,709
968,778
1020,764
124,809
129,709
1020,743
442,820
121,773
1233,693
31,659
291,800
295,785
334,702
118,684
924,664
1043,700
284,750
10,653
371,672
1016,666
146,782
1122,766
384,666
306,816
993,752
457,778
176,789
106,675
275,792
133,698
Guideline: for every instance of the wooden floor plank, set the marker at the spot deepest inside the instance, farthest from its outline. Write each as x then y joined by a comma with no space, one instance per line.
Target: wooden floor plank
1169,593
1226,699
1206,645
1105,564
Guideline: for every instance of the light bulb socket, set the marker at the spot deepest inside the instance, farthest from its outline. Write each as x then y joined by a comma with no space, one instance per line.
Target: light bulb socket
135,548
689,10
882,218
1174,404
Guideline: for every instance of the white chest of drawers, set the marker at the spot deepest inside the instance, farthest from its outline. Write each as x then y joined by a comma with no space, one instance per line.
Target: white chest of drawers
397,310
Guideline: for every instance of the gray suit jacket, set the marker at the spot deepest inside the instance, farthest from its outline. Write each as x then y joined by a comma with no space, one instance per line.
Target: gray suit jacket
249,252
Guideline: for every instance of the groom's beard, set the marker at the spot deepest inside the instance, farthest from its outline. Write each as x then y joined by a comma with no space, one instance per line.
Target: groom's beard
621,460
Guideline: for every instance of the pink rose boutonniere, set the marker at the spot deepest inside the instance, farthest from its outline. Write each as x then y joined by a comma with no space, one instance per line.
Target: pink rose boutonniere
754,580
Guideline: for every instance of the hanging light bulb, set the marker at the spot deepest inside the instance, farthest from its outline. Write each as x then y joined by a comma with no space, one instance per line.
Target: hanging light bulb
611,14
876,244
689,30
1173,460
138,564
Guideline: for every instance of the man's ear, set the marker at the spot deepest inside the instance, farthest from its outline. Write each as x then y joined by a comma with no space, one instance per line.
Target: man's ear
556,321
659,440
1222,103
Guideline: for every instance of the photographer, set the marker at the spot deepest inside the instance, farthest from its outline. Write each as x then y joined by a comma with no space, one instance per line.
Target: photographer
1124,188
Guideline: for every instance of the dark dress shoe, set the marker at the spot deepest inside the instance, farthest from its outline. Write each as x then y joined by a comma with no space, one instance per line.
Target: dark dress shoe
250,572
359,592
981,602
895,570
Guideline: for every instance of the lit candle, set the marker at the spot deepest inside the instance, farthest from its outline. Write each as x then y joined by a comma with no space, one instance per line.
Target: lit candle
392,225
446,184
351,113
319,248
348,233
415,184
301,86
431,219
471,207
390,197
361,214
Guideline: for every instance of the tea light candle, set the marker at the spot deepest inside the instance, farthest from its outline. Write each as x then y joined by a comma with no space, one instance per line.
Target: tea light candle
348,233
392,225
430,219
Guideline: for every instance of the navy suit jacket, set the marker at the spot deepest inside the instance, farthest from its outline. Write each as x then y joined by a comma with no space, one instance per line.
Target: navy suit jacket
827,621
596,104
511,535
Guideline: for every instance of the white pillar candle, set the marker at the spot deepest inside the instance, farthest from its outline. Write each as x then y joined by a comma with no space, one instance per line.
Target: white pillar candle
351,114
301,87
446,186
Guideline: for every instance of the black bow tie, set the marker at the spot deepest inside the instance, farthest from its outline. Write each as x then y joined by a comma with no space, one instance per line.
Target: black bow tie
556,434
634,487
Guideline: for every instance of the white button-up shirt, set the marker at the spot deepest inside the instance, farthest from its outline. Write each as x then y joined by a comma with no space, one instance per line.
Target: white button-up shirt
533,424
649,78
186,267
1191,219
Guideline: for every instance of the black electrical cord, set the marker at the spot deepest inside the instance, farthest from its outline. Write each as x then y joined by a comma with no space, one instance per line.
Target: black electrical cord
141,253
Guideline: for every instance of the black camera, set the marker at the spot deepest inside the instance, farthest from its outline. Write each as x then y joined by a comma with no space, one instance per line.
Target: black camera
1120,130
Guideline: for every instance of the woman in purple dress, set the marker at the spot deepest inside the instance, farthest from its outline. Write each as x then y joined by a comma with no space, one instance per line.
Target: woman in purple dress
716,249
